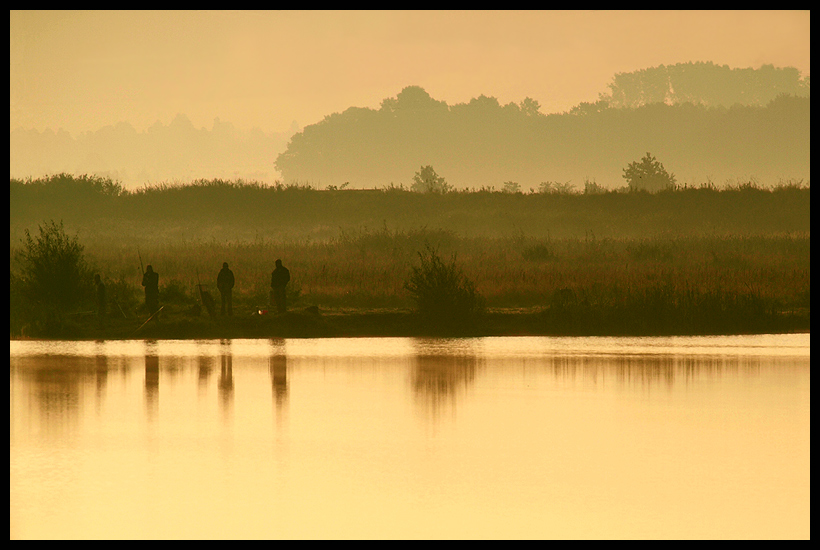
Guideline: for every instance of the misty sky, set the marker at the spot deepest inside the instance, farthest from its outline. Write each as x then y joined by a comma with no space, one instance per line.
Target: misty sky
82,70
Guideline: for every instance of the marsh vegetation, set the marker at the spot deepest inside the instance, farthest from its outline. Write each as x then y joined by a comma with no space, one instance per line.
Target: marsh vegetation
685,261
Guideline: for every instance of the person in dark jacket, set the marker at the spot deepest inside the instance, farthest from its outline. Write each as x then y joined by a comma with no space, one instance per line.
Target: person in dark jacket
225,282
278,280
150,280
101,301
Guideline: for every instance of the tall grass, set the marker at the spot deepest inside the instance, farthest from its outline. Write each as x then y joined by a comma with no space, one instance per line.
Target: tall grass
239,210
370,268
699,256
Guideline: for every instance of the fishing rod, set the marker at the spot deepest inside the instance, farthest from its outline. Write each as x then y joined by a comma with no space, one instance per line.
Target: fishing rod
205,297
124,316
146,321
142,269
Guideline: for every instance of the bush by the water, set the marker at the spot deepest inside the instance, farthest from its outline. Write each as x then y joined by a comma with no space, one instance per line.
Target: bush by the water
54,278
443,295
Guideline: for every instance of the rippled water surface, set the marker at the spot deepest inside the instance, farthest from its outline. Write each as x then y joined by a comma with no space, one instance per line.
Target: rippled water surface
694,437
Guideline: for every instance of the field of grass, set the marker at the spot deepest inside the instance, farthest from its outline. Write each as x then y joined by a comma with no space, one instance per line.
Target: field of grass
696,284
672,280
239,211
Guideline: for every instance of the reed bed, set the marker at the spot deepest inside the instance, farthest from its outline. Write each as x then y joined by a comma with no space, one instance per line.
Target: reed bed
245,211
687,259
369,269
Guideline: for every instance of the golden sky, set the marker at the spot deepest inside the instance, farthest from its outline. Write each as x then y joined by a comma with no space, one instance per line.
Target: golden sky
81,70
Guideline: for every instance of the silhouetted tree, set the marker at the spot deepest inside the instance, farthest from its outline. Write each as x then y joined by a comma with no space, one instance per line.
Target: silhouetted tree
427,181
648,175
413,98
530,107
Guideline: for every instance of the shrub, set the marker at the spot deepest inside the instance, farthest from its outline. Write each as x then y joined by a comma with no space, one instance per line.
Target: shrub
442,293
538,252
593,188
427,181
175,292
556,188
648,175
55,277
511,187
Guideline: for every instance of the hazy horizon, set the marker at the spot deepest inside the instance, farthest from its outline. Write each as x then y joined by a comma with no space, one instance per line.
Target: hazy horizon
146,96
80,71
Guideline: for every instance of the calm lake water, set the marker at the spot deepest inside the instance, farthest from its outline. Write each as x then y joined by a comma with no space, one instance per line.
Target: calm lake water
693,437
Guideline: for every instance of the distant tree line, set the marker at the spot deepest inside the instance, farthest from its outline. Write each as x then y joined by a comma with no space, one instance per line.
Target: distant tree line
705,121
749,123
176,151
704,84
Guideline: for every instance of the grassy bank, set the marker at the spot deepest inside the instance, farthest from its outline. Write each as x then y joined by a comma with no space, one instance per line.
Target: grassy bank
691,285
690,261
178,323
369,269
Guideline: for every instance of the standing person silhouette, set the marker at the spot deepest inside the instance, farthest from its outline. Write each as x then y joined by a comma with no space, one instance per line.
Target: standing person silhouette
278,280
225,282
150,280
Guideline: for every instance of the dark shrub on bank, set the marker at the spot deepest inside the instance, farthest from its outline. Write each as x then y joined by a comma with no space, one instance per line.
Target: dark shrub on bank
54,279
174,291
443,295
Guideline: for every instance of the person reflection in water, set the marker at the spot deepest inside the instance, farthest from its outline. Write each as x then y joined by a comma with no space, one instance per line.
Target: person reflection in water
279,377
226,377
101,367
205,367
151,383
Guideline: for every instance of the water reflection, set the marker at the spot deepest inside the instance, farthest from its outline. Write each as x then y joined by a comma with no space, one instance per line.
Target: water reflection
226,377
57,385
100,372
205,365
441,370
553,439
151,379
648,370
57,391
278,365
